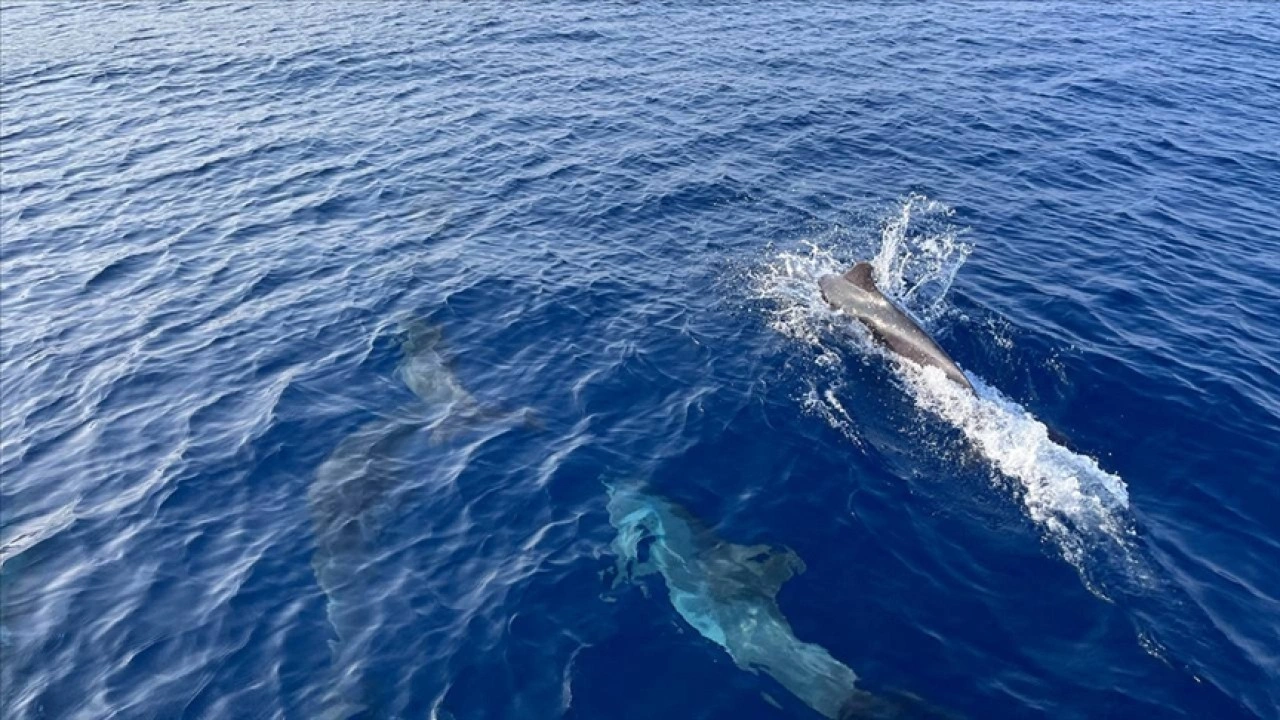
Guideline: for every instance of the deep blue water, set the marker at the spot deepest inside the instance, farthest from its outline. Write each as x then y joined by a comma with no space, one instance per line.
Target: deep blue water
326,326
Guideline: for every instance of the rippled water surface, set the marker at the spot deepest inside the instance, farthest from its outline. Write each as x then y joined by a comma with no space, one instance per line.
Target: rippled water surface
408,360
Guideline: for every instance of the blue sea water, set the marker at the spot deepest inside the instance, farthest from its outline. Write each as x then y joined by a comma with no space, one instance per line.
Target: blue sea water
329,329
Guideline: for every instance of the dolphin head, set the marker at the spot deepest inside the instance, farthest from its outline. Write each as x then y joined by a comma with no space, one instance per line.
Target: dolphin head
829,285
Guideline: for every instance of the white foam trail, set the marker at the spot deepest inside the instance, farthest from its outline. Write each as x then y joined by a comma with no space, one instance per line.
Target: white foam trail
788,282
1066,493
1079,506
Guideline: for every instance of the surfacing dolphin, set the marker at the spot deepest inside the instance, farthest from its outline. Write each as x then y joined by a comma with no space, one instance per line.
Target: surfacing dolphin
856,295
728,593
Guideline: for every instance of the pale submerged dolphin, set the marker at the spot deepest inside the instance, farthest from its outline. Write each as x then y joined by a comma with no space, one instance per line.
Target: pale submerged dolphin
426,369
728,593
856,295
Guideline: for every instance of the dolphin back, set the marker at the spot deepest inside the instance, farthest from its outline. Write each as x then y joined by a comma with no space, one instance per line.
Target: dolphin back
855,294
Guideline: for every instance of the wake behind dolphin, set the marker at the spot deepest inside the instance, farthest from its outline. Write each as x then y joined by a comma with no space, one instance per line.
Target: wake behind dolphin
728,593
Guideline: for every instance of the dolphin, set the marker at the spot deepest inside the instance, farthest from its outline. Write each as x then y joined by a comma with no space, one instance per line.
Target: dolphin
856,295
350,502
728,593
354,494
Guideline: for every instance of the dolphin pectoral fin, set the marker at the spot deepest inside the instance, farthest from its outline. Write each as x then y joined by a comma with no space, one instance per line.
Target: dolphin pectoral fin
1057,437
772,566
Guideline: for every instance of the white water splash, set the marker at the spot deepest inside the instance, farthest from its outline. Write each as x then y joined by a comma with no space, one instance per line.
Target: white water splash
920,251
916,253
826,405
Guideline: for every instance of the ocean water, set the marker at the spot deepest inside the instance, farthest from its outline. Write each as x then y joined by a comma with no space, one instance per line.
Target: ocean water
452,361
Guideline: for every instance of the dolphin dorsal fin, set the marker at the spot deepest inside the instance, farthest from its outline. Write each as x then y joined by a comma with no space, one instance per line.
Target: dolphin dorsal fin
862,276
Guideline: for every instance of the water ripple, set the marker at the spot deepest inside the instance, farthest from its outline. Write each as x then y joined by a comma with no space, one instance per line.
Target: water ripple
323,324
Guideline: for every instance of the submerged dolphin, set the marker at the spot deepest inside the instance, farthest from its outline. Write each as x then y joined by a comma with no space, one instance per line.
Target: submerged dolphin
355,492
855,294
350,502
728,593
